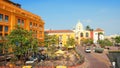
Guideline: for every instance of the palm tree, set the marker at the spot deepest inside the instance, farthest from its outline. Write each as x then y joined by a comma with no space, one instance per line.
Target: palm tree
88,28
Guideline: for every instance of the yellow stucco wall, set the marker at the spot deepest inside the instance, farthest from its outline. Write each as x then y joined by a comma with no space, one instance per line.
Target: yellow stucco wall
64,36
84,36
14,13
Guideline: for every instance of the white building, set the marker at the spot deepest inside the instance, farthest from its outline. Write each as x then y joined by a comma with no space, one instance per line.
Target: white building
80,33
98,34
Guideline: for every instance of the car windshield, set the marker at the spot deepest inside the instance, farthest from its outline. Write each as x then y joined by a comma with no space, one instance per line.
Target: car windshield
87,48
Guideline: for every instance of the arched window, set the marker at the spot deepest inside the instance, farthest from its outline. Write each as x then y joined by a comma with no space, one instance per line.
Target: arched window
87,34
81,34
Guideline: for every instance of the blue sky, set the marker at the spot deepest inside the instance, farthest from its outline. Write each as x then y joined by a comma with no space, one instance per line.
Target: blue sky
64,14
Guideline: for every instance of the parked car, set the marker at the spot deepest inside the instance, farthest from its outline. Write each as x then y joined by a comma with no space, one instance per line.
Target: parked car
5,57
99,50
88,50
40,56
31,60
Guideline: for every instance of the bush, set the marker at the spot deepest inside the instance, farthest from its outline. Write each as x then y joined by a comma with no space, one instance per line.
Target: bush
105,42
99,50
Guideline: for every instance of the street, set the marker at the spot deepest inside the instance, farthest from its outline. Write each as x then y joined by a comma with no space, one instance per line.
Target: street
92,61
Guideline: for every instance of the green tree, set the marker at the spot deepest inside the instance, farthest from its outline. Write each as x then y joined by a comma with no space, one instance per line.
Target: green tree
54,39
117,39
4,46
88,28
105,42
22,42
88,41
51,40
70,42
46,40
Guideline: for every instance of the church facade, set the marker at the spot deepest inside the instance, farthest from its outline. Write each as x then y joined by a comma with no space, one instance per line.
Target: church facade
81,33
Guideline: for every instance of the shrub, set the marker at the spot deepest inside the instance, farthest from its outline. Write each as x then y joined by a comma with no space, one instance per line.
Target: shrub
99,50
105,42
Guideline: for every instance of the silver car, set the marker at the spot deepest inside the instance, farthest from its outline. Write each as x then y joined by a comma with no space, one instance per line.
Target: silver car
88,50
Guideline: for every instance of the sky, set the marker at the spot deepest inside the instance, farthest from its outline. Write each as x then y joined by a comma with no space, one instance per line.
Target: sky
65,14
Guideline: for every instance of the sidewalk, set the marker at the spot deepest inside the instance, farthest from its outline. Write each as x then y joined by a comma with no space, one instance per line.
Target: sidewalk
102,57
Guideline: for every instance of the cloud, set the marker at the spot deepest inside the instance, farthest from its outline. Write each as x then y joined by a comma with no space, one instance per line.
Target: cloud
87,20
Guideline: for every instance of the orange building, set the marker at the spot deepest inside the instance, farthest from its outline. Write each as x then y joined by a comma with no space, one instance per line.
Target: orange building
12,14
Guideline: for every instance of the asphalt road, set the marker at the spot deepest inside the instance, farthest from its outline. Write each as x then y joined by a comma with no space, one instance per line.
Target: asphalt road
92,61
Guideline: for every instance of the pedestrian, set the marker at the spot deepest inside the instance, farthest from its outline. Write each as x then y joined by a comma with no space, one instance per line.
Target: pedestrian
113,63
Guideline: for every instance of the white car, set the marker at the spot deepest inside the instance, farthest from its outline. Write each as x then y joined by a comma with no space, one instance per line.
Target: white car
31,60
87,50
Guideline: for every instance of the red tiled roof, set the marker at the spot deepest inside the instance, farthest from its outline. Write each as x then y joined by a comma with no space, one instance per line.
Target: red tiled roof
58,31
98,29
